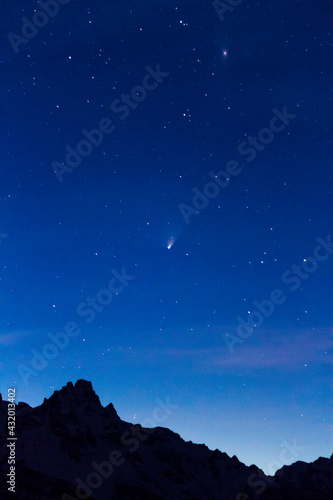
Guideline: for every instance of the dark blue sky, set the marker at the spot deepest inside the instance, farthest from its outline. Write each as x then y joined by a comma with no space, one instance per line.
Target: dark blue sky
182,95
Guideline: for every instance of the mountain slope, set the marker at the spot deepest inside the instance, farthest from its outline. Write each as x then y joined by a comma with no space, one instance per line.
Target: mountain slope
71,447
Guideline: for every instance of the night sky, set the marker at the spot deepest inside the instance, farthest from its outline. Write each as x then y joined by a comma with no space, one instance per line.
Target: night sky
166,214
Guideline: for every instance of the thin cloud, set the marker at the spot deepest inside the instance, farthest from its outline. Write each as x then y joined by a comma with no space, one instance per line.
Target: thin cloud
292,350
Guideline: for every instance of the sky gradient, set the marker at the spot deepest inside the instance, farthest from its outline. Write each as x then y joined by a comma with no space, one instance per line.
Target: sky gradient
166,215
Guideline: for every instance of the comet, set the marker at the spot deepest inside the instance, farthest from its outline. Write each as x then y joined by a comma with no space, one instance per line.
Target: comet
171,242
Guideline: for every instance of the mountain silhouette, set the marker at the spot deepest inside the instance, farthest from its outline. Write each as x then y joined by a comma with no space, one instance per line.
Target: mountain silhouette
73,448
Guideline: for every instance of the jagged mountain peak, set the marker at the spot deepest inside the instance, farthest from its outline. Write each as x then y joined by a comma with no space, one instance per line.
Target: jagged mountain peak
72,447
78,398
81,392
